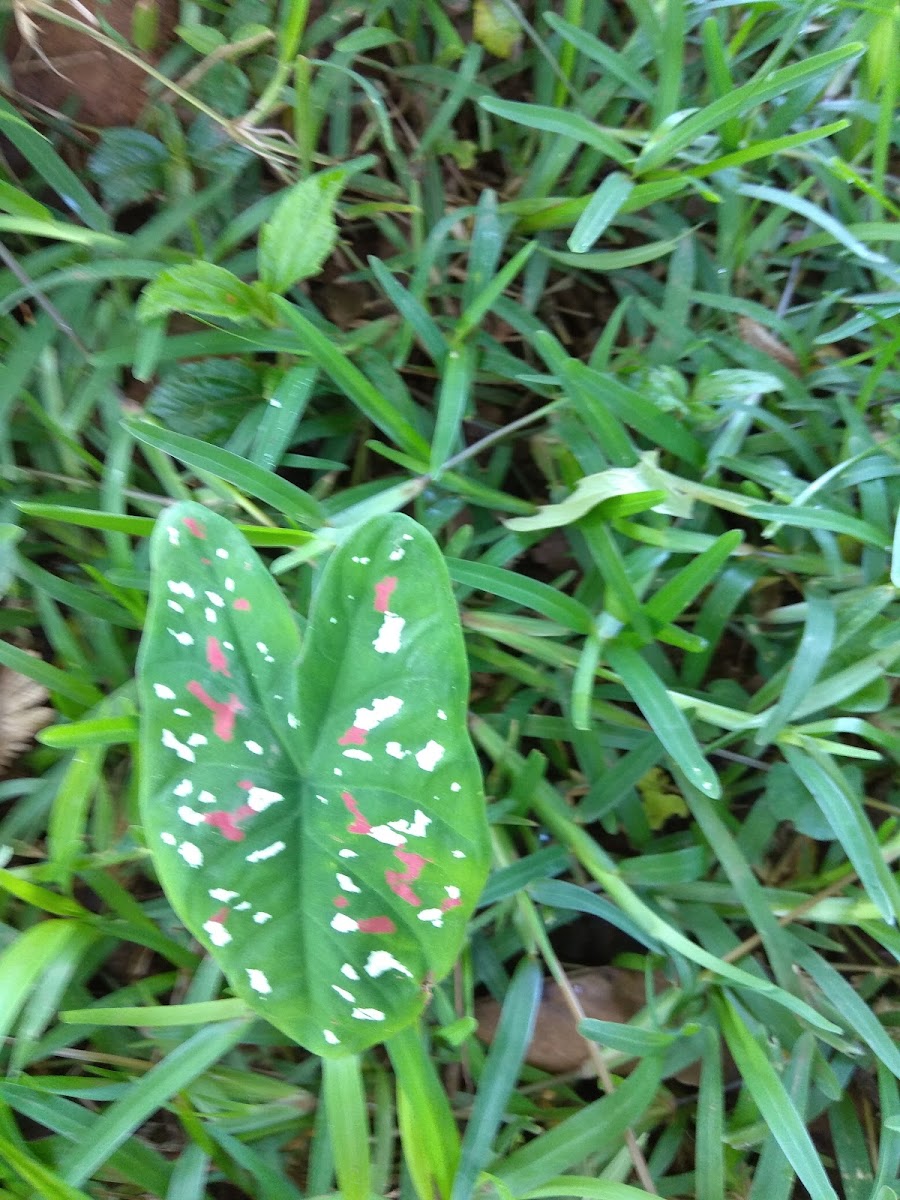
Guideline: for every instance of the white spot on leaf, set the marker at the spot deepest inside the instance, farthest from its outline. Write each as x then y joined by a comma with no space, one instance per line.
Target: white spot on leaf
331,1038
434,916
216,599
344,993
350,971
396,555
430,755
380,961
266,852
261,917
344,924
171,742
222,894
183,638
184,788
211,616
220,553
390,837
368,1014
346,884
206,798
416,827
455,787
175,606
190,815
197,739
258,981
259,799
395,750
191,854
359,755
347,853
164,693
181,589
217,933
254,747
174,536
169,838
388,640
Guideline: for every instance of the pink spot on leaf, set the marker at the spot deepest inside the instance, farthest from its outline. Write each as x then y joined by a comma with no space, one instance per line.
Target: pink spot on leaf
360,825
196,528
225,823
221,916
450,902
223,714
228,822
377,925
355,736
340,902
384,589
215,656
399,881
242,605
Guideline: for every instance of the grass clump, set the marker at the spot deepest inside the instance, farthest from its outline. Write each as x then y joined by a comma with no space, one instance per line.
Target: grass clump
613,317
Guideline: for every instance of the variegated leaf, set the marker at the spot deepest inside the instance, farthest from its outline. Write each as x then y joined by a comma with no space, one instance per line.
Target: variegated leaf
314,811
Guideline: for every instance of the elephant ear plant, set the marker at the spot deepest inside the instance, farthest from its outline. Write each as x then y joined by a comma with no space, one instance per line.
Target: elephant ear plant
313,804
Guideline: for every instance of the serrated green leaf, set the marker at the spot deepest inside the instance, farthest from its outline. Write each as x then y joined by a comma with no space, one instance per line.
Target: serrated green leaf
204,288
301,233
316,818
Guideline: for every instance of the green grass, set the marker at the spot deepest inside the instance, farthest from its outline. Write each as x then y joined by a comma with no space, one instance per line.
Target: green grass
558,276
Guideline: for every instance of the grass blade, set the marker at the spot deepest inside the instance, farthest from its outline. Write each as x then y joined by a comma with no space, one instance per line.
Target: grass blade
774,1103
498,1078
666,720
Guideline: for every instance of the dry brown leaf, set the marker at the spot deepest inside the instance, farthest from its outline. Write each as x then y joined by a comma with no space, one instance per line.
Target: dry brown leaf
763,339
605,994
22,713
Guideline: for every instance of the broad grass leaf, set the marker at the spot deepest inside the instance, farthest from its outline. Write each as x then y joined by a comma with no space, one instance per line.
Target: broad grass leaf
315,813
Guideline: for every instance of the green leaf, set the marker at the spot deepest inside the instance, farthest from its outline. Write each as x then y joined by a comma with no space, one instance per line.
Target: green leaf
301,233
129,165
204,288
497,28
605,485
316,818
206,398
602,208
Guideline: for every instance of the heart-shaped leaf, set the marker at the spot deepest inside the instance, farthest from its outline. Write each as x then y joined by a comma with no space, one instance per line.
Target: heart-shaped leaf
315,811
